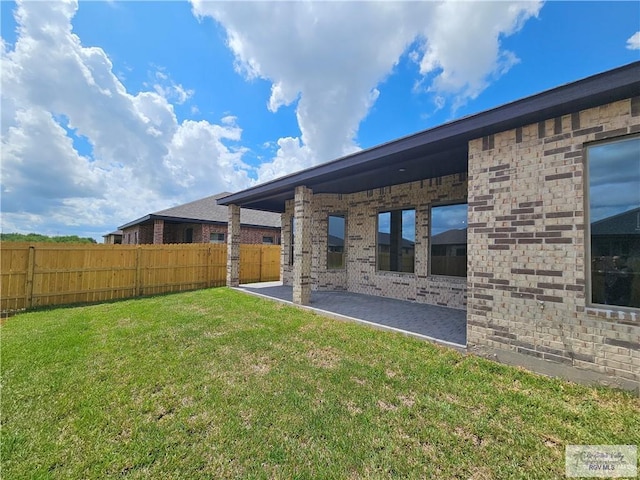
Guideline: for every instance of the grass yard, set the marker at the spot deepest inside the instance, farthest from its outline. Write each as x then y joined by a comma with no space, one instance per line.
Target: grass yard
218,384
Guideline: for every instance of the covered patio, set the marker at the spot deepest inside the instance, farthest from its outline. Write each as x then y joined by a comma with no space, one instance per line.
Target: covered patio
447,326
488,215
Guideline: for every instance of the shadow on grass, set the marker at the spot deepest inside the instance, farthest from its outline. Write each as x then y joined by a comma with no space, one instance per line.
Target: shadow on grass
4,315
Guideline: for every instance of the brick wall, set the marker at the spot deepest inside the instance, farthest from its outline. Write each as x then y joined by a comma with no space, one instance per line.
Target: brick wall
145,234
207,230
527,272
361,211
255,234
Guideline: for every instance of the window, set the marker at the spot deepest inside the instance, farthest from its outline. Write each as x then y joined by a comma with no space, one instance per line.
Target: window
216,238
291,245
267,240
614,222
188,235
449,240
396,240
335,241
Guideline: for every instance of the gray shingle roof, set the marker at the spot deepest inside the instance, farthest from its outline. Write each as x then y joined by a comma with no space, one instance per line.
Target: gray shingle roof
207,210
385,239
626,223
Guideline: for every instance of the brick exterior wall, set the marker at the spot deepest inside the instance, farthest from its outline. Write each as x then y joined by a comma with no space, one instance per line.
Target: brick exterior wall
254,234
526,249
176,233
361,212
144,234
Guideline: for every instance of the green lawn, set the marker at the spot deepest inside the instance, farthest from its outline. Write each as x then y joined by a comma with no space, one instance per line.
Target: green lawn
218,384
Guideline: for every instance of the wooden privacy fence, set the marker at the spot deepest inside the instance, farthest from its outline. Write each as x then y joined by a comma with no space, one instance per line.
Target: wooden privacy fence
36,275
259,263
443,265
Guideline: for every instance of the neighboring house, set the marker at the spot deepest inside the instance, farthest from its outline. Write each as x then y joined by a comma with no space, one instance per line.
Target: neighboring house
113,238
523,181
202,221
449,253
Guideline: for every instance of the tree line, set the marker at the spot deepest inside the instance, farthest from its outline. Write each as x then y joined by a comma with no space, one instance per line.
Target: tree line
36,237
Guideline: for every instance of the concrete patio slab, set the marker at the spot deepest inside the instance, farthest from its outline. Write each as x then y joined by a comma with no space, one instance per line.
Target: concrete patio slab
443,325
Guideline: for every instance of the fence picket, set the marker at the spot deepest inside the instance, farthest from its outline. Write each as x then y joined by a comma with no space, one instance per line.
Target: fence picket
29,278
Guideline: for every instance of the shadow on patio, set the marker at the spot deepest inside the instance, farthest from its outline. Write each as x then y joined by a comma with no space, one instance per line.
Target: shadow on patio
443,325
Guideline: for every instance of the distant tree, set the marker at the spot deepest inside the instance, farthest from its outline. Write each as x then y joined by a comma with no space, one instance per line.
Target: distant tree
36,237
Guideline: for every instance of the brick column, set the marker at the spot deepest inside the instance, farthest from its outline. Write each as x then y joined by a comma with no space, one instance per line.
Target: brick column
302,246
158,232
233,246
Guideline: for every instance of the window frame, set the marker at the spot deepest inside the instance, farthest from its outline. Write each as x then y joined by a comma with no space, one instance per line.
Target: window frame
377,235
588,283
218,242
188,232
342,215
292,226
430,252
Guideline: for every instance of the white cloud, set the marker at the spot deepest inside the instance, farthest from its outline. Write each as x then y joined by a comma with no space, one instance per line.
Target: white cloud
318,55
170,90
140,158
327,58
204,141
633,42
463,44
35,151
291,156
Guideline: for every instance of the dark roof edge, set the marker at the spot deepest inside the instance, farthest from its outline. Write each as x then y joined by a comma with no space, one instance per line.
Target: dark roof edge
167,218
578,95
135,222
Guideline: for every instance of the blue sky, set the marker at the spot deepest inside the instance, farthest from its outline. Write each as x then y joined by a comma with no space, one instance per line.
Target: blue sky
112,110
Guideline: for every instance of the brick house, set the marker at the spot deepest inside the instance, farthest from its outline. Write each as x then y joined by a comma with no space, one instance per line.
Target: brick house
546,192
113,238
201,221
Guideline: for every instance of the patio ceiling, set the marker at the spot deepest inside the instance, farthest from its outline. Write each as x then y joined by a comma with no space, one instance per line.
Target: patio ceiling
442,150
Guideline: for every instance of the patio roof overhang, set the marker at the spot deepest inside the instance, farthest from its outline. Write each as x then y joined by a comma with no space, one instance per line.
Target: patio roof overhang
441,150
